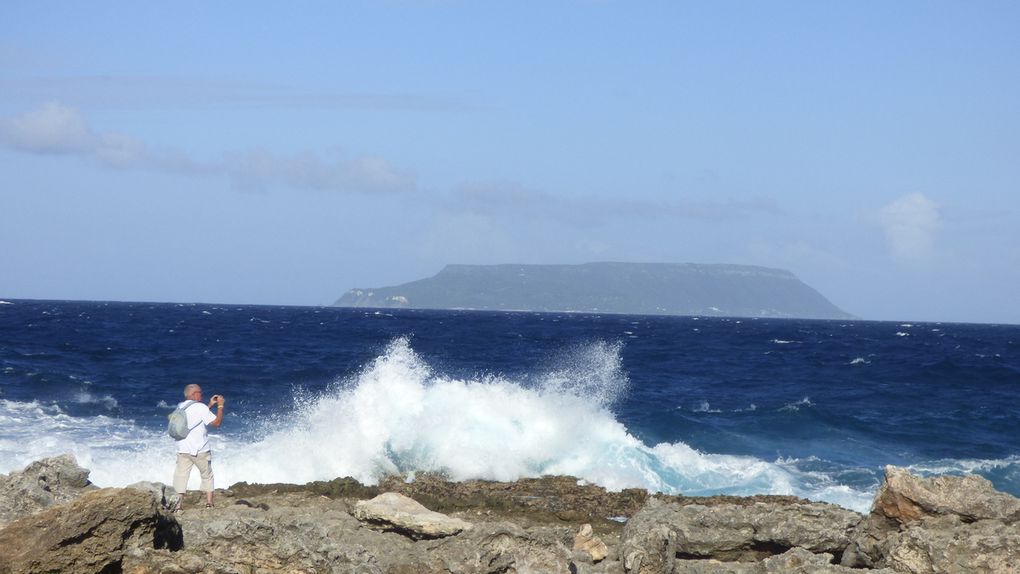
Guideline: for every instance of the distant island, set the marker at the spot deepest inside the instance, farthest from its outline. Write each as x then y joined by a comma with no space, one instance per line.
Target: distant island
622,288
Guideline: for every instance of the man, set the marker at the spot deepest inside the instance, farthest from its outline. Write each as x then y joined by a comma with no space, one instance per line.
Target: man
194,450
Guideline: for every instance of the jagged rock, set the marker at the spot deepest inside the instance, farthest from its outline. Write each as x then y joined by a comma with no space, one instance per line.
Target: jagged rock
664,532
164,495
586,541
800,561
40,485
399,513
906,498
561,498
938,525
531,525
302,532
91,534
793,561
948,545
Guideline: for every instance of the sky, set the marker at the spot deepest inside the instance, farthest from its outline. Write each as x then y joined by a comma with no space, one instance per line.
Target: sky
283,153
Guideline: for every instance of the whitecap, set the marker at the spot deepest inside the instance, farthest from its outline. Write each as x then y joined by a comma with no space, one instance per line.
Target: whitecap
704,407
805,402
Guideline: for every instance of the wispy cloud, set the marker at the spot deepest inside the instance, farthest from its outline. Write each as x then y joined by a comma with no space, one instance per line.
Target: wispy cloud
170,92
508,199
56,129
911,224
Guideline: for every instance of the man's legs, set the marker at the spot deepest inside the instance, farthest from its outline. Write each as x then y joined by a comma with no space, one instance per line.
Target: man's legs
204,463
181,473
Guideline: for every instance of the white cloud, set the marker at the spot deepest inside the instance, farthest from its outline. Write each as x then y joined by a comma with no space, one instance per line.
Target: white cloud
59,129
53,128
512,200
910,224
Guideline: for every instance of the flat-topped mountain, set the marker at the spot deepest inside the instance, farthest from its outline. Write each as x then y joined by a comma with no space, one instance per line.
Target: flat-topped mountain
627,288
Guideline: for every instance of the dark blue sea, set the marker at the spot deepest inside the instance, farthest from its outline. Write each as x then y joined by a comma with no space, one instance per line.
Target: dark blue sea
674,404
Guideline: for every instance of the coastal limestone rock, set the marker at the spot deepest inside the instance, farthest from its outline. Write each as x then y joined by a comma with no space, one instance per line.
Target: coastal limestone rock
938,525
800,561
164,495
906,498
305,532
40,485
91,534
586,541
402,514
664,533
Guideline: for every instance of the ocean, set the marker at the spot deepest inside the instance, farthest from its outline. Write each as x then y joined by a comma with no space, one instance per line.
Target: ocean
687,405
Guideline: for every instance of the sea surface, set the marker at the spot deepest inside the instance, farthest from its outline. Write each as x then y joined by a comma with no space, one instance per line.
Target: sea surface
674,404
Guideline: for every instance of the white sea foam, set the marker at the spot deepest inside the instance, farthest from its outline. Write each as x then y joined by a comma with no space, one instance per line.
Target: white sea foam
399,416
85,397
962,466
805,402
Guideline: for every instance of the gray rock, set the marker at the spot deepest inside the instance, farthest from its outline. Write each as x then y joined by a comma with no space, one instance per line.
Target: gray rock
399,513
793,561
906,498
662,532
40,485
938,525
948,545
300,532
91,534
164,495
593,548
800,561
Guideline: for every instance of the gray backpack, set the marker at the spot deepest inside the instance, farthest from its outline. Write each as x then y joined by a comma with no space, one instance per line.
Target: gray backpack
178,428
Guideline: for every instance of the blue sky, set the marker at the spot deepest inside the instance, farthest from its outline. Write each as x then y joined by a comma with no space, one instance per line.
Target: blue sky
268,153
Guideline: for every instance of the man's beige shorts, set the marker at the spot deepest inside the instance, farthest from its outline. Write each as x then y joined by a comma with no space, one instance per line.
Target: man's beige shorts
203,461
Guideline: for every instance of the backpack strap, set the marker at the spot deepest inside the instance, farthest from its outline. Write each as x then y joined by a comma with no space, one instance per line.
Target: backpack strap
185,409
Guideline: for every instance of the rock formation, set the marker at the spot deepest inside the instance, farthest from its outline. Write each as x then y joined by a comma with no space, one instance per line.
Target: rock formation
941,524
395,512
41,485
93,533
547,525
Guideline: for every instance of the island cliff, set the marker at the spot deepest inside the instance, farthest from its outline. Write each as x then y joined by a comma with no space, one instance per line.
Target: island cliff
624,288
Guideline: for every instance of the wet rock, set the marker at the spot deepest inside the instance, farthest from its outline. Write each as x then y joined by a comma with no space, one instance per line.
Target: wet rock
91,534
399,513
40,485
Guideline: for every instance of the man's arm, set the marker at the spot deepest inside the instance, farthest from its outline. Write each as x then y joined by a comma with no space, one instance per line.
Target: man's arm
217,400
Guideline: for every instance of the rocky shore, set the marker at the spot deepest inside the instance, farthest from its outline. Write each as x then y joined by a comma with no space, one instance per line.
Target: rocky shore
52,519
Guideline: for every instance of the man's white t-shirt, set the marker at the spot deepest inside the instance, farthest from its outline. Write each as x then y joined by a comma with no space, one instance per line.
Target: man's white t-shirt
197,440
